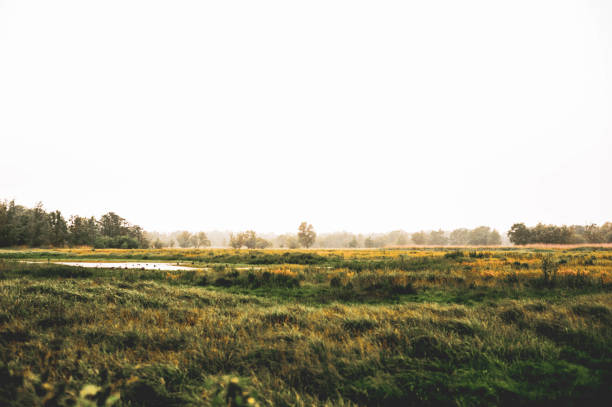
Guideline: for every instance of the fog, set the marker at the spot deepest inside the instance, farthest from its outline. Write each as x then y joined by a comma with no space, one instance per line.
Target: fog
359,116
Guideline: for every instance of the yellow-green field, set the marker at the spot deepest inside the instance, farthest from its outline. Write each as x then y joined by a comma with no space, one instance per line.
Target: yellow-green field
422,326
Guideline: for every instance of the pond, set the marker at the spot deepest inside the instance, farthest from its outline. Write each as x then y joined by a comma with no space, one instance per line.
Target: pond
112,265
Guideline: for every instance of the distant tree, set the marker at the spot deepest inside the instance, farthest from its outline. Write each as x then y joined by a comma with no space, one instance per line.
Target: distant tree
184,239
550,234
203,240
459,237
78,231
292,242
607,231
395,237
594,234
438,238
112,225
5,226
58,229
478,236
92,230
419,238
282,240
519,234
335,240
157,244
494,238
136,233
306,235
262,243
369,242
577,236
484,236
402,240
250,239
236,241
8,223
21,223
39,228
353,243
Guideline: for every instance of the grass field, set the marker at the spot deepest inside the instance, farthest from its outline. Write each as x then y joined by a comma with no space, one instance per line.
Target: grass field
403,327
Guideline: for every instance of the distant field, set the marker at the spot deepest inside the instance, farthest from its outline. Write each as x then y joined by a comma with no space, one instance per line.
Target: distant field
409,326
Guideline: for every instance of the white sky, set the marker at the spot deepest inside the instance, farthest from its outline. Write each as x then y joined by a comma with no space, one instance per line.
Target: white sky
363,116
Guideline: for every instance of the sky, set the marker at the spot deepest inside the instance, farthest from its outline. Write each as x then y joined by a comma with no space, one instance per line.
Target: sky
364,116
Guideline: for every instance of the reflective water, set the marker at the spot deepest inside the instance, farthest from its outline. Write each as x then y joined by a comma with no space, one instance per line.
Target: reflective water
111,265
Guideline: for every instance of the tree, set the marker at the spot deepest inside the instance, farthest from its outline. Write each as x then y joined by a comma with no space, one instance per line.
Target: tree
369,242
249,239
203,240
183,239
607,231
112,225
292,242
594,234
6,226
548,234
193,240
494,238
39,228
484,236
402,240
519,234
438,238
59,229
236,241
14,223
306,235
78,231
459,237
419,238
262,243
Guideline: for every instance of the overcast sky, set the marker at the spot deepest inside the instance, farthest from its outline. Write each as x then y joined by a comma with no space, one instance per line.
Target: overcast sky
364,116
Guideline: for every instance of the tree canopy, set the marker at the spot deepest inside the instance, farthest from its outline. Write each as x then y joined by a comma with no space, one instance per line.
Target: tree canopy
306,234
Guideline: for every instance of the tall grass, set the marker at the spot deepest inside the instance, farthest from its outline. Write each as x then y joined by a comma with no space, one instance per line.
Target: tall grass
464,330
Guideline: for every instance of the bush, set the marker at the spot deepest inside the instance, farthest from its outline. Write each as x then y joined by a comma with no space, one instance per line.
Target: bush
457,254
549,267
335,282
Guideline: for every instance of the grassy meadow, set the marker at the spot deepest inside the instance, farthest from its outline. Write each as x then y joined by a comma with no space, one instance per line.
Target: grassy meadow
393,327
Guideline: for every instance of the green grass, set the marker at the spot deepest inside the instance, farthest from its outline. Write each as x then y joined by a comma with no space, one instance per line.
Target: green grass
437,335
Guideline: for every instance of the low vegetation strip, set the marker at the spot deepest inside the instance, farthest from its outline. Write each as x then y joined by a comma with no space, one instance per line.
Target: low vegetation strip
470,327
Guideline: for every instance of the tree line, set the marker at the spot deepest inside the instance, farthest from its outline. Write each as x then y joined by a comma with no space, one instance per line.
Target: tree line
305,237
35,227
480,236
520,234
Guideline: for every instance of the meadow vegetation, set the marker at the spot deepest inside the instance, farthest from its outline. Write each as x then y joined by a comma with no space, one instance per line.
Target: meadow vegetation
317,327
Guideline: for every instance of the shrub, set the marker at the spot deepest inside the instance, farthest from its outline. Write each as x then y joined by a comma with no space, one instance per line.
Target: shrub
335,282
457,254
549,267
